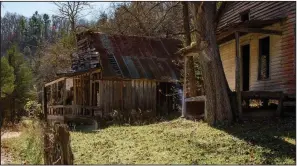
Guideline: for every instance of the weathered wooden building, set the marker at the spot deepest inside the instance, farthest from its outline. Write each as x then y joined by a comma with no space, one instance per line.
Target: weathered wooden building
258,49
115,73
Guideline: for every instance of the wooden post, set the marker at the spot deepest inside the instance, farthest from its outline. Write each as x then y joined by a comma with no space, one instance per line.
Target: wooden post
44,103
91,91
279,111
184,109
64,97
238,75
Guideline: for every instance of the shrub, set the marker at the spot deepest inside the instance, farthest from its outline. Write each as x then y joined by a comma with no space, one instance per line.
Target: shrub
33,108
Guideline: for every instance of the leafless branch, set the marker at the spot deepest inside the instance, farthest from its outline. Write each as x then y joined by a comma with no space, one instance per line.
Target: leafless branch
137,19
164,16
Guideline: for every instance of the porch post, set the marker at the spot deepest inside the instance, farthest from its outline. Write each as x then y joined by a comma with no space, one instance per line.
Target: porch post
184,111
44,103
238,74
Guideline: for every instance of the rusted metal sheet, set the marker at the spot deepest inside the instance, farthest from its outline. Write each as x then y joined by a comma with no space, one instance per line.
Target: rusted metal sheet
131,67
134,57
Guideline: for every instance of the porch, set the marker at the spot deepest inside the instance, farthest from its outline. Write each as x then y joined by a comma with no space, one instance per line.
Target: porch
243,91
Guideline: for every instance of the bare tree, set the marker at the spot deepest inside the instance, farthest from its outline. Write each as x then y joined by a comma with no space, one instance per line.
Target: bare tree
72,11
162,19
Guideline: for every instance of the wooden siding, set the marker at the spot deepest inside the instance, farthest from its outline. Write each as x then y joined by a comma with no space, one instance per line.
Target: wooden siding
282,60
259,10
126,95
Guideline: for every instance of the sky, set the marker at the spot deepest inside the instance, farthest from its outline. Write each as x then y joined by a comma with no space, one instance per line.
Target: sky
27,9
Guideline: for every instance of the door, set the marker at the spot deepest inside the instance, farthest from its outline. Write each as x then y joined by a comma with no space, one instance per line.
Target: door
245,52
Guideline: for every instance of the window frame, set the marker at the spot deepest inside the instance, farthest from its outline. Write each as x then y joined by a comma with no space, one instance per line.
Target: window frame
267,61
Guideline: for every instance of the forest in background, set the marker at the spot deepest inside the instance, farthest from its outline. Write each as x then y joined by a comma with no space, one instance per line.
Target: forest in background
35,49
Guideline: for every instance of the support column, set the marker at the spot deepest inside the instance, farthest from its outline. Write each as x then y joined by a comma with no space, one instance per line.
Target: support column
184,111
45,103
238,75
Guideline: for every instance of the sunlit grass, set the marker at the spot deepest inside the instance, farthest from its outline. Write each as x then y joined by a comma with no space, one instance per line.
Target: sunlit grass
186,142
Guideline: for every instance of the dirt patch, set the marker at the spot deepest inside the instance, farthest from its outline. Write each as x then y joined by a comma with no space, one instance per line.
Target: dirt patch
7,135
6,158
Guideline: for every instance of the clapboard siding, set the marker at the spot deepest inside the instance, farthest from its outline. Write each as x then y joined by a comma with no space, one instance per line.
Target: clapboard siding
258,11
126,95
282,58
282,48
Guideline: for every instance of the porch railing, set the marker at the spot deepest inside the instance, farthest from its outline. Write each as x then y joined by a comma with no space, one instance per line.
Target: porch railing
74,110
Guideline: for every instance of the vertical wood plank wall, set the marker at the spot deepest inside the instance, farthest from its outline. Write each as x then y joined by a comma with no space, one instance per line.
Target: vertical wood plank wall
127,95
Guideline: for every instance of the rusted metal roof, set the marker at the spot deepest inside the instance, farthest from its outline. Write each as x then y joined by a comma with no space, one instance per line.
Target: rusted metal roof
134,57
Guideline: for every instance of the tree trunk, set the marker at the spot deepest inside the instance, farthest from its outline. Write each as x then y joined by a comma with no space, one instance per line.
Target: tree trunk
190,89
215,83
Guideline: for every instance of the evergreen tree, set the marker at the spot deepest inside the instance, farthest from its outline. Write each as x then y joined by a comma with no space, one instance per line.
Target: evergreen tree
7,78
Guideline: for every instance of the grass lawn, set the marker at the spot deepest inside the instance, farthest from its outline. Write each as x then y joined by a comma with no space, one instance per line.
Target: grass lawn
178,141
186,142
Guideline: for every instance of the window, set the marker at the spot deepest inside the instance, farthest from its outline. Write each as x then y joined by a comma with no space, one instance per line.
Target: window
245,16
264,58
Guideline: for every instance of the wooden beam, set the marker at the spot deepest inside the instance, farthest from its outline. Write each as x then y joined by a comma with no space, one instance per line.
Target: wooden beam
55,81
196,98
184,111
238,75
45,103
91,90
259,30
262,94
64,92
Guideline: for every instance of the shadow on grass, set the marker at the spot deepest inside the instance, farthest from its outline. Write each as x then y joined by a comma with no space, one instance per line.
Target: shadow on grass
268,133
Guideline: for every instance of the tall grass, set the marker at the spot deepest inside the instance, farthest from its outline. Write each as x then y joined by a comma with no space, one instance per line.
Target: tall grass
28,147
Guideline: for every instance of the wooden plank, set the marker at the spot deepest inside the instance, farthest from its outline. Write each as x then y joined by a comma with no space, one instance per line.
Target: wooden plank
154,89
259,30
55,117
110,95
55,81
196,98
279,110
237,74
133,87
149,94
64,92
122,95
129,95
91,90
141,95
106,97
45,111
262,94
137,97
101,93
145,95
184,110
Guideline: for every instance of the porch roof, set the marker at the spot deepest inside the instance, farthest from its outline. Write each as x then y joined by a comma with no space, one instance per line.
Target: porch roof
226,33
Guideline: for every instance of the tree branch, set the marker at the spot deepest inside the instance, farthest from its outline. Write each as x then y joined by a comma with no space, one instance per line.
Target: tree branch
164,16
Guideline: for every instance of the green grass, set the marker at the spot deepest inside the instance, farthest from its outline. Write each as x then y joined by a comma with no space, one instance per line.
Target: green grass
177,141
187,142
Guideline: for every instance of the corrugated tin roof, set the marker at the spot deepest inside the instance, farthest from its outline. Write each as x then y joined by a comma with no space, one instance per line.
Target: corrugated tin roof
137,57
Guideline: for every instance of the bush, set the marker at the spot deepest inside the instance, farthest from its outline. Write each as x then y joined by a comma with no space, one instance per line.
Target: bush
33,108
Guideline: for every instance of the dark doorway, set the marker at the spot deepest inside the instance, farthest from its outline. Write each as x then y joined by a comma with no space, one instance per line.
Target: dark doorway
245,52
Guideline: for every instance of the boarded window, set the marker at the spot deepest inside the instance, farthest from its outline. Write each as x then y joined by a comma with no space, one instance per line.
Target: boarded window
264,54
